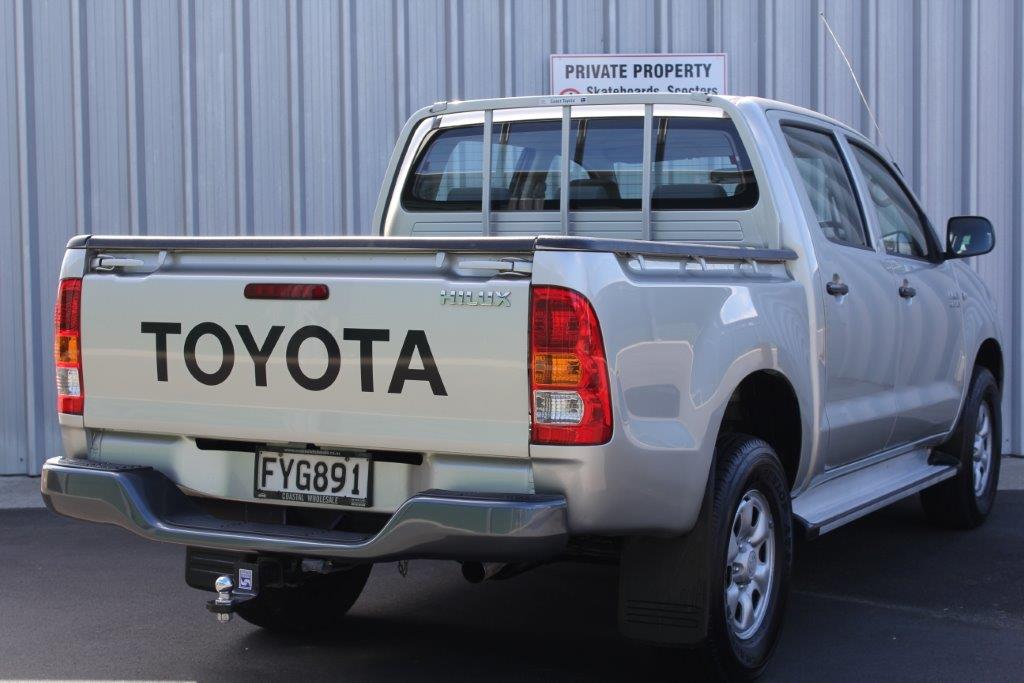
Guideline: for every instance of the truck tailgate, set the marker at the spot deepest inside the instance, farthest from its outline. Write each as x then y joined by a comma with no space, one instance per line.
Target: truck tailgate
406,352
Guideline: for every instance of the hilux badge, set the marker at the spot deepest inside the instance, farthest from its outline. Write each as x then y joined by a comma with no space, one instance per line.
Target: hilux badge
459,297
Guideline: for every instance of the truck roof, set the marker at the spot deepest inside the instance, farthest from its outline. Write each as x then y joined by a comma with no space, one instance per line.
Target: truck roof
729,103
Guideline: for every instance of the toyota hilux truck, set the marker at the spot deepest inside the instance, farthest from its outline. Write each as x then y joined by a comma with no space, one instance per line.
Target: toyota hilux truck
673,332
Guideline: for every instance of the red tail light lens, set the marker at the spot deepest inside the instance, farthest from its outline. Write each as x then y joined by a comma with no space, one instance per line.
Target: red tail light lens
67,347
568,370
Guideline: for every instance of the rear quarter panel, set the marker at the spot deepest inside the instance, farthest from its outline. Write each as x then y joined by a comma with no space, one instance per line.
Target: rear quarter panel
678,343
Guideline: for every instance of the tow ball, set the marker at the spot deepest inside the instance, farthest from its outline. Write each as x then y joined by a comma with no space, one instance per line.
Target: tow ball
226,601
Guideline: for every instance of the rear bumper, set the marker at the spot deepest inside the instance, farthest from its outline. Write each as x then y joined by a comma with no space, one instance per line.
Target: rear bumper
433,524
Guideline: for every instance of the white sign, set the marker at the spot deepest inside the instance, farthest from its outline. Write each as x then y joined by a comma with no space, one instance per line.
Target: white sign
664,73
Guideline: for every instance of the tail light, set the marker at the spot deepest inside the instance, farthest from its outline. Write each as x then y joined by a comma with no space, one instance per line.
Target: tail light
568,370
67,347
285,290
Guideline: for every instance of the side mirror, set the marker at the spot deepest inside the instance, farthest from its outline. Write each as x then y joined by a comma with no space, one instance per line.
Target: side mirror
969,236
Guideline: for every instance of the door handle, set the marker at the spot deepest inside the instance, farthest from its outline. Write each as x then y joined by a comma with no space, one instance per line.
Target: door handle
837,288
906,291
106,263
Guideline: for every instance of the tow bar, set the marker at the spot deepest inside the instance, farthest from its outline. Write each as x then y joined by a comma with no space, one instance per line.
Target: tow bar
225,603
238,578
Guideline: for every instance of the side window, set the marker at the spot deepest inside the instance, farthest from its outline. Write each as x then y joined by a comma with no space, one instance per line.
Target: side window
901,224
606,169
526,160
447,176
828,185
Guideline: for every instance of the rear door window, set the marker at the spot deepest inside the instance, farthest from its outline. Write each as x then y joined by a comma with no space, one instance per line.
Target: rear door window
828,185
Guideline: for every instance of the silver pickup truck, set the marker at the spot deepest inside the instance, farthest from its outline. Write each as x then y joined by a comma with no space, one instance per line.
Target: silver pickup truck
674,331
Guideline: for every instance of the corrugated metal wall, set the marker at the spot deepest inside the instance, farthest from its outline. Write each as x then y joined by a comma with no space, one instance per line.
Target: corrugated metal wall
219,117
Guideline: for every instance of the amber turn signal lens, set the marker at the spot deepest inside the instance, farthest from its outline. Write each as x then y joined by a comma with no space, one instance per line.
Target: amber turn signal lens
67,349
562,369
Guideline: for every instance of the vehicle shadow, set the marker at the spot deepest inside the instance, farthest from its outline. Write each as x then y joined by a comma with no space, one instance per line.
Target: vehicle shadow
888,597
558,622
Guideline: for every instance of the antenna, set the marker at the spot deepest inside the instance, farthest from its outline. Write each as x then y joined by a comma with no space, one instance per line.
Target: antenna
853,75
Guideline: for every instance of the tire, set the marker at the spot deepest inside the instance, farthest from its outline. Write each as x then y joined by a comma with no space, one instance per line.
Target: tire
965,501
743,631
318,604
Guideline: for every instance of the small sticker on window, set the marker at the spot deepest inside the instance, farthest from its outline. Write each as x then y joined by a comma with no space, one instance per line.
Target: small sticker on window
563,100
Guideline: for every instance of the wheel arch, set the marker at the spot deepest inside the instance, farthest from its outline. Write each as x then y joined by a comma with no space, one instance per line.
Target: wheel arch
990,356
781,426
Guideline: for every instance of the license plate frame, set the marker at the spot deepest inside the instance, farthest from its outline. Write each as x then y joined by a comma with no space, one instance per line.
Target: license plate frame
349,459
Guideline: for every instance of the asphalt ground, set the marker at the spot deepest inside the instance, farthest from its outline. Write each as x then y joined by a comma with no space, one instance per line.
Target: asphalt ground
885,598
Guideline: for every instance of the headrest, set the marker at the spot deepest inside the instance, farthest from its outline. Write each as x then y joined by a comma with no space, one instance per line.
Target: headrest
592,188
474,194
689,191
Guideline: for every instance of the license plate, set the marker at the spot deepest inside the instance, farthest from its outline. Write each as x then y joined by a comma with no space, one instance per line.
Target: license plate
313,476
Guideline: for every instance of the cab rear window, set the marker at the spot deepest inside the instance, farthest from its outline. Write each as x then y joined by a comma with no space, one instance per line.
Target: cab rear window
525,166
447,176
606,172
700,164
697,164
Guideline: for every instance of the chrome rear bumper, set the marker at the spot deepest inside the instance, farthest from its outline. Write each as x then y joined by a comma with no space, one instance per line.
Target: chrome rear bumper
432,524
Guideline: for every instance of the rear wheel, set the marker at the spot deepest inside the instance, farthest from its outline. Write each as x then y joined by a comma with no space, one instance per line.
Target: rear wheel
752,546
318,603
965,501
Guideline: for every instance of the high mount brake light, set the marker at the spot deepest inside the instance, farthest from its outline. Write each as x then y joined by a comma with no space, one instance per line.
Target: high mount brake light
67,347
568,370
285,290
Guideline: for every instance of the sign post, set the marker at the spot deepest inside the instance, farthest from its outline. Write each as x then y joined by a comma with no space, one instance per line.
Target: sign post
625,73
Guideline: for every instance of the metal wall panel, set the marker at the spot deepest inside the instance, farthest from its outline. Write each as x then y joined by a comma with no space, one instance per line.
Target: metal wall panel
13,399
269,117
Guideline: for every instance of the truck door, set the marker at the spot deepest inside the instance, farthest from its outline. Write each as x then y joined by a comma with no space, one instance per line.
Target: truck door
861,315
931,367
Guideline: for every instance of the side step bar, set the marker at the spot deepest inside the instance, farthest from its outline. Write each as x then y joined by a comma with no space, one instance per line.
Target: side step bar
847,497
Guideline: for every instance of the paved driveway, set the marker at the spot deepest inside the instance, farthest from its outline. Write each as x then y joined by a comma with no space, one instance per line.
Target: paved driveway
887,598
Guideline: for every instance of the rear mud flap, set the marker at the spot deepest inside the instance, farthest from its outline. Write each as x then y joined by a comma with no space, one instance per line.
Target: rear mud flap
663,584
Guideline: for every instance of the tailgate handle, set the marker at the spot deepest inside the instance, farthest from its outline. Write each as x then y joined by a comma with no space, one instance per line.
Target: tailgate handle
502,266
106,263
